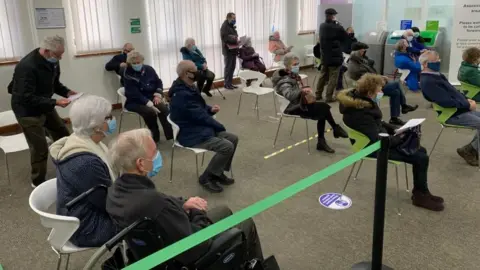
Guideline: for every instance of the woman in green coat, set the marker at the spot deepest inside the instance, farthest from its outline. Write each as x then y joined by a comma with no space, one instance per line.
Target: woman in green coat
469,71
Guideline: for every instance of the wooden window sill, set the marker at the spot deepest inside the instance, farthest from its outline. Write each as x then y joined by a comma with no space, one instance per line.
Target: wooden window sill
91,54
9,62
302,33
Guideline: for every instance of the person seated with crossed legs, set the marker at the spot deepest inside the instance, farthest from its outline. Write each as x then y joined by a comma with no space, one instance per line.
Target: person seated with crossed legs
199,129
361,113
469,71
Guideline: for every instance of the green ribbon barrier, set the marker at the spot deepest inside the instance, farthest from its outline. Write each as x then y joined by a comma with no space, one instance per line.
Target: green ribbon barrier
185,244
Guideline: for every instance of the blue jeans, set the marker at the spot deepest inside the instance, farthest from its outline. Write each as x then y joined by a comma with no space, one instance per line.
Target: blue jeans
468,119
394,91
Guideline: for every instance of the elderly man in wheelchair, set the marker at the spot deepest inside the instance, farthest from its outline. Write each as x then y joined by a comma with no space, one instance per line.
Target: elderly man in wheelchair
151,220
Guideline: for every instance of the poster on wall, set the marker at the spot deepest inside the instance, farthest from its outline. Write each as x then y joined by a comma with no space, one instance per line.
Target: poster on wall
465,33
49,18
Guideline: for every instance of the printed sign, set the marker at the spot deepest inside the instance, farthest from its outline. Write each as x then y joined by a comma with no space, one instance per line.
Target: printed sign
405,24
432,25
49,18
135,26
335,201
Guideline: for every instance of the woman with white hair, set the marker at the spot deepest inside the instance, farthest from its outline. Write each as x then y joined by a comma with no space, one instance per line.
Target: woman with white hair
288,84
81,162
144,93
250,59
192,53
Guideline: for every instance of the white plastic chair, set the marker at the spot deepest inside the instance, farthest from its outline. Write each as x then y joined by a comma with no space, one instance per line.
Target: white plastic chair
276,64
12,143
309,53
254,88
404,75
176,130
283,102
121,94
63,227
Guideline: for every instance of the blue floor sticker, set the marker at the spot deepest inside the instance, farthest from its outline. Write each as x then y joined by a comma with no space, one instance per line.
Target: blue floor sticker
335,201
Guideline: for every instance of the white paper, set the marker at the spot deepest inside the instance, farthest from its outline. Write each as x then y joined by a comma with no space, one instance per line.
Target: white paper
75,97
49,18
410,124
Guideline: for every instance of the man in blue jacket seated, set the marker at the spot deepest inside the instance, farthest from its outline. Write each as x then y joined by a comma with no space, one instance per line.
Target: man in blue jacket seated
437,89
144,93
119,62
192,53
198,128
405,60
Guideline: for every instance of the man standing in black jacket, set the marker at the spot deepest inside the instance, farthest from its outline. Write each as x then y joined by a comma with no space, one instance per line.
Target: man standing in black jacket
229,37
36,78
332,36
119,62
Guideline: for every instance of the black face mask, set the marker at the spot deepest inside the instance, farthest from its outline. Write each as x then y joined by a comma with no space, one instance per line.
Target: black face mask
194,76
351,35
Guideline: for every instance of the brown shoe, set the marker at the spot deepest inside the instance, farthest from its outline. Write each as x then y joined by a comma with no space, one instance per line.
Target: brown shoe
469,154
425,201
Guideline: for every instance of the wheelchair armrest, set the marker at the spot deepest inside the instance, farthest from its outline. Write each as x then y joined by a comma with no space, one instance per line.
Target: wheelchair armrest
123,233
219,244
82,196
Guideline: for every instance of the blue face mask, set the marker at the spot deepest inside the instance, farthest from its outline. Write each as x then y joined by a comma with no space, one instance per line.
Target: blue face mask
112,126
157,164
378,97
435,66
52,60
194,48
233,22
296,69
137,67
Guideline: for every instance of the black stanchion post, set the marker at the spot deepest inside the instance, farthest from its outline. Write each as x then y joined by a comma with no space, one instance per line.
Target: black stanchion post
379,214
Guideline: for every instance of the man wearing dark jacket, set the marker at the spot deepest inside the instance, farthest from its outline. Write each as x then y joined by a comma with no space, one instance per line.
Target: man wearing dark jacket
437,89
332,36
229,37
198,127
119,62
133,196
36,78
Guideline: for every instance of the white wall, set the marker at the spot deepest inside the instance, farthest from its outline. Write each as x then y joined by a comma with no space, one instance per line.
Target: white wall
88,74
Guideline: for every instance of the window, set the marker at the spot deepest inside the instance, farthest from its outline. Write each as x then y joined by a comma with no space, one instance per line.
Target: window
97,25
307,16
11,42
172,21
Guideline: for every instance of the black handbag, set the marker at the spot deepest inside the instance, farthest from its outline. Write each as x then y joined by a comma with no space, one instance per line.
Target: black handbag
411,141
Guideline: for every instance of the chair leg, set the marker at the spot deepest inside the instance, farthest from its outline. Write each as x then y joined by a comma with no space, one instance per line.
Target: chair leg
359,167
59,261
220,92
120,124
274,103
478,146
308,137
203,158
278,129
239,102
8,169
256,107
68,259
398,191
171,164
348,178
196,163
406,177
293,125
435,143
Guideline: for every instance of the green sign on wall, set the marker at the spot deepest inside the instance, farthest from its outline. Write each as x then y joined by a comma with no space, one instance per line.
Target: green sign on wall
135,26
432,25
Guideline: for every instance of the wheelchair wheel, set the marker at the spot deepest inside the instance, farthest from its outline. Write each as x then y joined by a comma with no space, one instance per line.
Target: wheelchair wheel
104,259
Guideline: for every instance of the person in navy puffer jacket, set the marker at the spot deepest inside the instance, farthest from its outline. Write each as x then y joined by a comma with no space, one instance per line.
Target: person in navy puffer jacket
192,53
82,162
405,60
199,129
144,93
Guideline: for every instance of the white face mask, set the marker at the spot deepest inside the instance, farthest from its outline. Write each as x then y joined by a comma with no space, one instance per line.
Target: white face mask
410,38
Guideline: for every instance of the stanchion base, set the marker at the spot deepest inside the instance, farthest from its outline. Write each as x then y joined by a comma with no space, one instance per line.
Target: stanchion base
368,266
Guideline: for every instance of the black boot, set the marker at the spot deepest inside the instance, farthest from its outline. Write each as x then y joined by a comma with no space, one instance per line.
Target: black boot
207,92
408,108
209,183
339,132
224,180
396,121
323,146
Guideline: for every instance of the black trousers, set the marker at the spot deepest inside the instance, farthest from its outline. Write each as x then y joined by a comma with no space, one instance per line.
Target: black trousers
254,248
319,111
150,118
205,76
419,163
230,61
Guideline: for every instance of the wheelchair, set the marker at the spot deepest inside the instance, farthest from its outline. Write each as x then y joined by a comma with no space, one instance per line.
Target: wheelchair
142,238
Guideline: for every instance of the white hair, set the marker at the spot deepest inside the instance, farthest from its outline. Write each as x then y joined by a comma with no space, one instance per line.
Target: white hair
289,58
409,32
134,55
52,43
184,66
127,148
425,57
88,114
189,41
400,45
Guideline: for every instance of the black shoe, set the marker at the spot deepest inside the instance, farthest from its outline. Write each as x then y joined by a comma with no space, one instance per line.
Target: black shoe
224,180
210,184
408,108
229,87
234,87
323,146
396,121
207,93
339,132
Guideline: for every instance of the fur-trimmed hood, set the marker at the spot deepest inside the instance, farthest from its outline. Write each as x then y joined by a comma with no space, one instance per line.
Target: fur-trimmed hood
351,99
